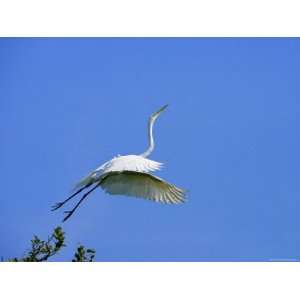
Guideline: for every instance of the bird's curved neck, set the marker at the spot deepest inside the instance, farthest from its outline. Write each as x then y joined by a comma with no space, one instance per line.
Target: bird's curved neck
150,138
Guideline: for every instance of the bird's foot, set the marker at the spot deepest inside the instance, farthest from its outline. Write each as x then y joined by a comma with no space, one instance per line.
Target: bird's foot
68,213
57,205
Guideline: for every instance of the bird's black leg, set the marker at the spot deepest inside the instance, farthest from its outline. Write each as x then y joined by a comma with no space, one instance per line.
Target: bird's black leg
70,212
60,204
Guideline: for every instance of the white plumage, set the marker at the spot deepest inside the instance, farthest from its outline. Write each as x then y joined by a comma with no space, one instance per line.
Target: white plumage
130,175
121,163
141,185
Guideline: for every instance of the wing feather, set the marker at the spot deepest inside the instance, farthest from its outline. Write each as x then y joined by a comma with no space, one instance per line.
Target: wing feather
118,164
141,185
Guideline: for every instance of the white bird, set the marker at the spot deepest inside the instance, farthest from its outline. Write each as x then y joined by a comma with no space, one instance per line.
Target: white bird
130,175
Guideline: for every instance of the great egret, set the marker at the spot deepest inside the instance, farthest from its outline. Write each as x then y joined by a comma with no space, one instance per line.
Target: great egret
129,175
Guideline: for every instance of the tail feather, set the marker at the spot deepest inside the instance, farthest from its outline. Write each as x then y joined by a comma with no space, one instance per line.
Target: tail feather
86,181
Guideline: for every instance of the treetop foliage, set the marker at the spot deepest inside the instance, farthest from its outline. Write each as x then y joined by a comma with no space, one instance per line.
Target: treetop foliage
42,250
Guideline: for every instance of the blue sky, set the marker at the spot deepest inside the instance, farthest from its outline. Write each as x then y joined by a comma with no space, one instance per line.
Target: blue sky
230,136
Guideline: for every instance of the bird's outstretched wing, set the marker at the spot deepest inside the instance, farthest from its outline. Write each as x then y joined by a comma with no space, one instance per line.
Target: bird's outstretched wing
118,164
141,185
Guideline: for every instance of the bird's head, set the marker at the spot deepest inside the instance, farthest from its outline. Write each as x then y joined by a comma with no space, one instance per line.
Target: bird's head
155,115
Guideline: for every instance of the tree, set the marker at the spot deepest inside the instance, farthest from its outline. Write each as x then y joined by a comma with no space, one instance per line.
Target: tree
43,250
